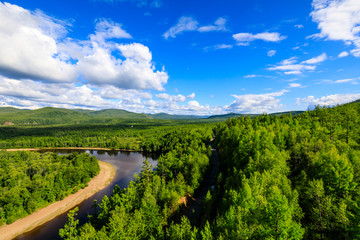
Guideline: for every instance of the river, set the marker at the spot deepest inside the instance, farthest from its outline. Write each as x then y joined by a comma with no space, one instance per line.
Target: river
126,165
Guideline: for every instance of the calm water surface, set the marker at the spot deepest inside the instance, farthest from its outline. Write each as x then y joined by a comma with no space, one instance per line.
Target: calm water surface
126,165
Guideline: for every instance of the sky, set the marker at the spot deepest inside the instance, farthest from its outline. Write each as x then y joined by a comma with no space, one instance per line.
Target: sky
179,57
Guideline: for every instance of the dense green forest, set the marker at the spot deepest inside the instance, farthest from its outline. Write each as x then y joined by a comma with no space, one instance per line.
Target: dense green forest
281,177
290,177
130,135
31,180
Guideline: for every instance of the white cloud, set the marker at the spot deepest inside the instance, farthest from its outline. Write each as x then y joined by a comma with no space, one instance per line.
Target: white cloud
33,93
256,76
338,20
219,47
294,85
356,52
271,53
184,24
252,76
299,26
316,60
29,46
193,104
177,98
343,54
349,80
33,46
244,39
187,24
219,25
191,96
162,96
106,29
192,107
256,103
136,71
332,100
290,66
110,92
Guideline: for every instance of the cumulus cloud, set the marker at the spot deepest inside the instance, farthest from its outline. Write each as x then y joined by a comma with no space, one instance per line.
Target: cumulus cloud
256,103
34,46
135,72
170,98
29,46
338,20
271,53
192,107
291,66
343,54
219,25
191,96
30,93
40,66
316,60
332,100
244,39
106,29
296,85
110,92
187,24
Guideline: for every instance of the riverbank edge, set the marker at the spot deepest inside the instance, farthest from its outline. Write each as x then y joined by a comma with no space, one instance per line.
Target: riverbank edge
44,215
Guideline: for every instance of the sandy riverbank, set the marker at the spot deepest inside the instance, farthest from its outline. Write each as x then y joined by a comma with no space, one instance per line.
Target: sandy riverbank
107,173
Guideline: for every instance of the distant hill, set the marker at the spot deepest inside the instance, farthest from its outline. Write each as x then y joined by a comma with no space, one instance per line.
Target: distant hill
235,115
174,117
229,115
117,113
49,116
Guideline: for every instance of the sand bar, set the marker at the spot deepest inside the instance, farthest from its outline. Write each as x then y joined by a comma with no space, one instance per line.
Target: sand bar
20,226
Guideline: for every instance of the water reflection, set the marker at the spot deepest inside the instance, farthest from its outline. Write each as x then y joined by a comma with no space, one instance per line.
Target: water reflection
126,165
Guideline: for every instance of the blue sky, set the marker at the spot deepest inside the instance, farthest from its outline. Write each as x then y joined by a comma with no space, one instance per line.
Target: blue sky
179,57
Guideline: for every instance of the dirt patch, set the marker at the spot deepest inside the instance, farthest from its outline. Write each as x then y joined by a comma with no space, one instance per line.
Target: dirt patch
107,173
185,200
8,124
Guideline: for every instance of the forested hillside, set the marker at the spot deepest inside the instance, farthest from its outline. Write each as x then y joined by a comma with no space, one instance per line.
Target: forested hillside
31,180
54,116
